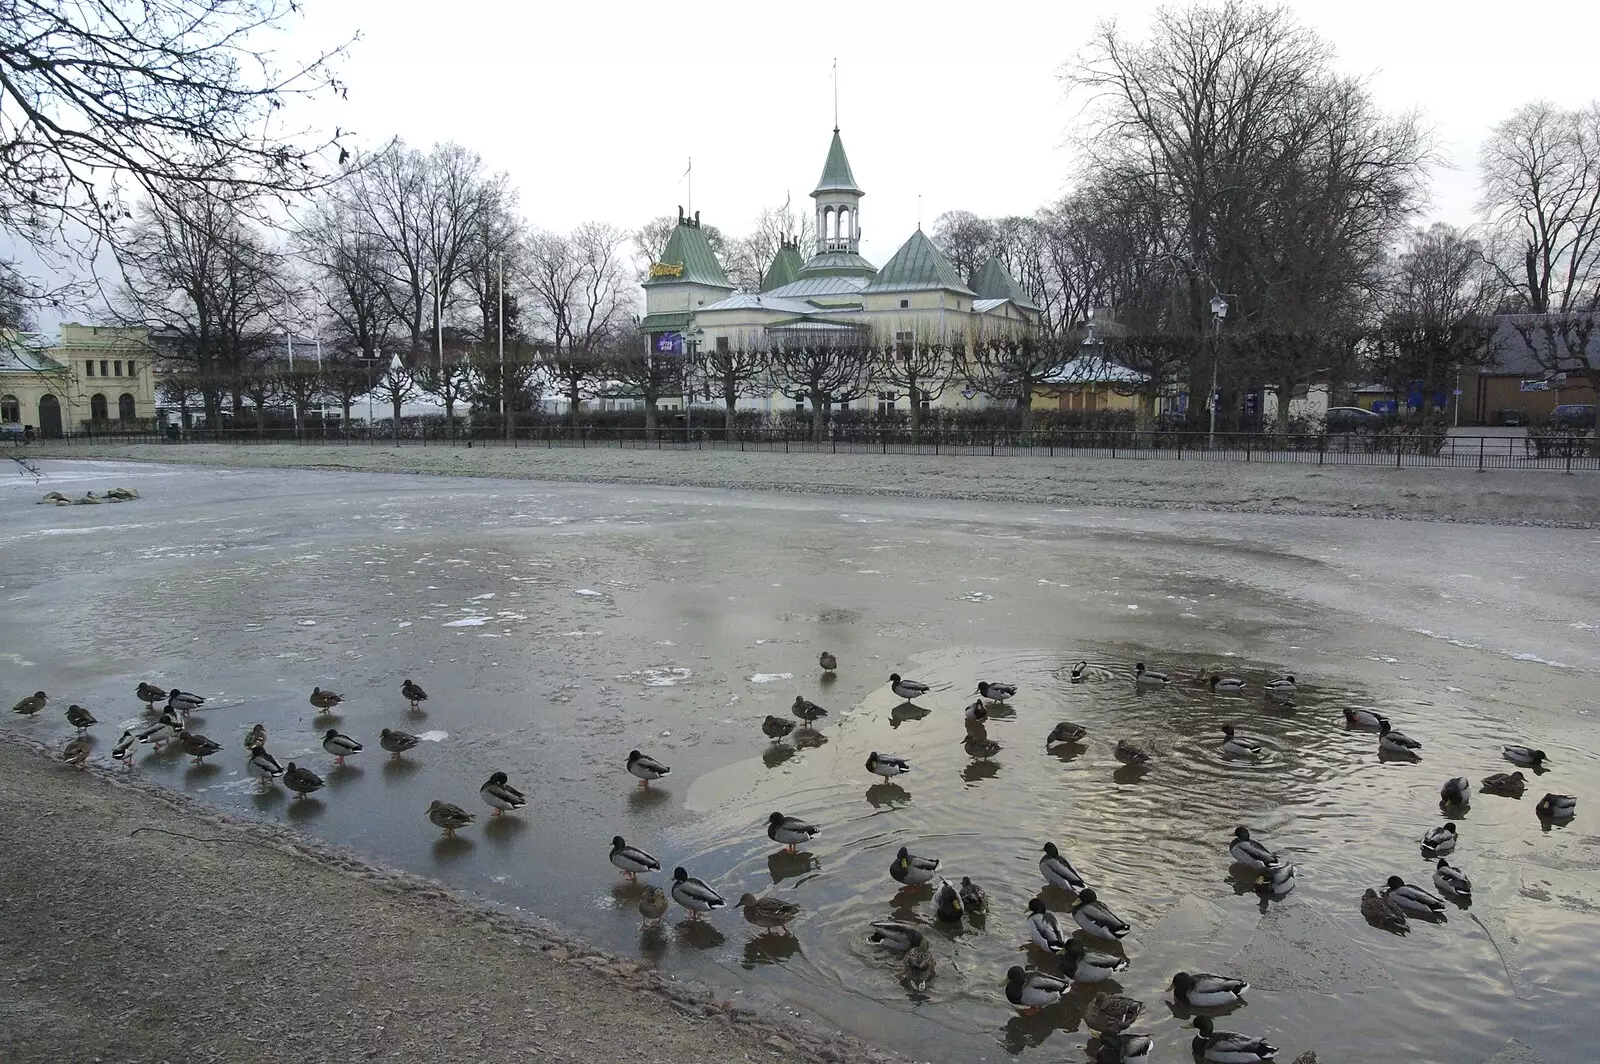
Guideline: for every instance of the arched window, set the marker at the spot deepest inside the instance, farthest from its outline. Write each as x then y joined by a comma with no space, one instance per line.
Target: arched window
126,411
844,223
832,220
10,409
97,407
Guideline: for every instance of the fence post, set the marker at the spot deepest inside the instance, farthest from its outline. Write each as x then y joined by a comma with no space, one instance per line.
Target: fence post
1399,449
1480,454
1572,445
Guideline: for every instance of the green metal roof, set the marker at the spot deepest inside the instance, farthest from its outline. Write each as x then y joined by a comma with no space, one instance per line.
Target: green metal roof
993,282
918,267
784,269
838,264
663,322
836,175
688,249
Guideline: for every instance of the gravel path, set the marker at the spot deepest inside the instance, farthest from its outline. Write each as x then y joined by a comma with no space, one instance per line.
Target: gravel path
124,941
1494,497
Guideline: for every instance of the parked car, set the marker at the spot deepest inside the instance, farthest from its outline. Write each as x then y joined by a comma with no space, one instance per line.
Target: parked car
1573,416
1510,418
1352,419
11,432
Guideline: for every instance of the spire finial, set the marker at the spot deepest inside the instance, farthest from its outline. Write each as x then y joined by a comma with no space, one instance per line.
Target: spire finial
836,94
919,212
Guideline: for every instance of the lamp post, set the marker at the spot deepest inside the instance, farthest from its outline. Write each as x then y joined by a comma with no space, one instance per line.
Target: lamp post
500,320
691,361
1219,310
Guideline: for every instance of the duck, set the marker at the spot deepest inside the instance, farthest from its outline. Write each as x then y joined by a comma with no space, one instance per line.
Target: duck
1200,990
185,702
1394,742
1237,745
694,894
973,897
1226,1047
776,728
1369,719
162,731
80,718
1413,899
1111,1013
256,736
895,934
301,780
197,746
396,741
76,751
1282,687
1452,880
1276,881
1456,792
1058,871
339,745
910,690
1044,929
1083,965
1557,807
887,765
31,704
1032,990
123,751
1507,784
449,816
263,765
1526,756
1079,672
1439,841
1230,685
324,700
807,710
150,694
996,692
652,904
631,859
790,830
414,694
768,912
1144,676
1130,754
977,712
1066,733
1125,1048
981,746
827,661
1249,852
1381,912
919,965
947,904
910,870
646,768
1096,917
500,796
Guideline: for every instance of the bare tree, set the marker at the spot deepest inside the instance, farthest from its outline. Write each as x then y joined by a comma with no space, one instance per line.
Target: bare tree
511,385
650,240
822,370
348,267
747,262
345,379
575,285
918,369
731,373
448,376
1010,370
303,387
397,389
966,240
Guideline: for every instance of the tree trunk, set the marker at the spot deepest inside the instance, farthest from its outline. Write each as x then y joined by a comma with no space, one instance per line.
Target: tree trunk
450,410
729,417
916,415
572,406
819,410
394,398
650,416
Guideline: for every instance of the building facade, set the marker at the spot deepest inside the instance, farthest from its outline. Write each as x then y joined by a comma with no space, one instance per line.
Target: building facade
87,377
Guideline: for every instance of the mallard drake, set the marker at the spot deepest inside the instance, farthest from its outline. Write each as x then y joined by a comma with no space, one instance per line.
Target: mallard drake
256,736
827,661
790,830
887,765
1125,1048
80,718
500,796
1226,1047
150,694
807,710
76,751
910,870
1452,880
1058,871
978,712
1083,965
339,745
1145,677
197,746
1199,990
1066,733
694,894
1276,881
162,731
123,751
1282,687
263,765
1032,990
1456,792
631,859
414,694
1096,917
768,912
1079,671
919,965
910,690
1413,899
1397,743
396,741
1557,807
996,692
1227,685
1130,754
324,700
653,904
185,702
646,768
981,746
32,704
1506,784
947,904
1367,719
1248,851
1526,756
302,781
1112,1013
973,898
1237,745
449,816
1439,841
1381,912
895,934
776,728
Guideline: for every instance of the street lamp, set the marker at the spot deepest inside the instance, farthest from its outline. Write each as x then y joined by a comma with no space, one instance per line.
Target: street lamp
1219,310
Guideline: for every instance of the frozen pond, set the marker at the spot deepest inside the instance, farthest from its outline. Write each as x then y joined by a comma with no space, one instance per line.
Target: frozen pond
557,627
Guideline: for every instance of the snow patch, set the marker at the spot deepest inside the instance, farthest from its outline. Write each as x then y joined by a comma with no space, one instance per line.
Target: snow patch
466,622
771,677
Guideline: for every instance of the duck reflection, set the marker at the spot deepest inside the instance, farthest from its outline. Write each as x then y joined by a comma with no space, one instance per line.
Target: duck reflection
777,754
643,798
451,847
1024,1032
398,768
503,830
770,948
785,865
699,934
979,769
887,796
1129,774
809,739
264,798
905,712
200,773
305,809
341,774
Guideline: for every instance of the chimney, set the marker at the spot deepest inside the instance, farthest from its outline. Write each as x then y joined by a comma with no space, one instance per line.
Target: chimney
697,219
680,214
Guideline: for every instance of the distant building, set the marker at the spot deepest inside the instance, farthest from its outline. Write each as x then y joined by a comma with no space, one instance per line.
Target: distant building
88,377
1514,379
